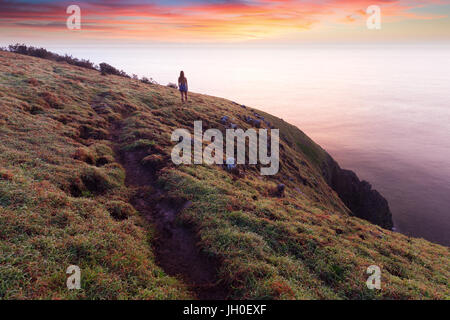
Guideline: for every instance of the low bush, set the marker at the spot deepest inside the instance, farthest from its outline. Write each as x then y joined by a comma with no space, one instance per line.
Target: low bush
45,54
106,69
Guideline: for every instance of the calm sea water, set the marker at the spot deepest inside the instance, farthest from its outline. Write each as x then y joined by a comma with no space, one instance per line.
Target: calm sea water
383,112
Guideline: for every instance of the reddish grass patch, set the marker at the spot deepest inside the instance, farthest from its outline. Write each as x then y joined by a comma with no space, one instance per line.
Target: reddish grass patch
6,174
33,82
84,155
51,100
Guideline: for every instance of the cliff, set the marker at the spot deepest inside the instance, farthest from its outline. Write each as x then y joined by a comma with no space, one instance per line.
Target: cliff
358,196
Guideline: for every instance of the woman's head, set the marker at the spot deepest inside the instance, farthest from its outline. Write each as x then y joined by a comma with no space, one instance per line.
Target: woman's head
182,74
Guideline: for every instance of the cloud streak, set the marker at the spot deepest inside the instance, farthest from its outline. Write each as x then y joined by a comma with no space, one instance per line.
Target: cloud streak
202,20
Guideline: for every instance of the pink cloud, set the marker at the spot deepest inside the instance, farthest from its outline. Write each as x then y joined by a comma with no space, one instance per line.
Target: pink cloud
236,19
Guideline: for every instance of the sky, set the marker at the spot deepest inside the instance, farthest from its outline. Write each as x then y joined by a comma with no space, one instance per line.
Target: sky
220,21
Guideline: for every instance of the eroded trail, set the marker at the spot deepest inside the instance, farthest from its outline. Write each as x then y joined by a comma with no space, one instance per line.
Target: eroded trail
175,245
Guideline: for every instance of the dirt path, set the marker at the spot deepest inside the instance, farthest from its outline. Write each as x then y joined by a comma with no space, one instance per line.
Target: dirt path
175,245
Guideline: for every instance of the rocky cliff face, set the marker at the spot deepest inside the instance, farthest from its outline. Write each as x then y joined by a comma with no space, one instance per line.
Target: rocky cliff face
358,196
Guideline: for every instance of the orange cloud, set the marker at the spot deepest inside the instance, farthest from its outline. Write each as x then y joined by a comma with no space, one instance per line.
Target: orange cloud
200,20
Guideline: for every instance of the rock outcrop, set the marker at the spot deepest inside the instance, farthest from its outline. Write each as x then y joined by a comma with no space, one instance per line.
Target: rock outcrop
363,201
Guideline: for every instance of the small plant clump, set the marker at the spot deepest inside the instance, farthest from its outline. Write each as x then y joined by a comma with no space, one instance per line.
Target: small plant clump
106,69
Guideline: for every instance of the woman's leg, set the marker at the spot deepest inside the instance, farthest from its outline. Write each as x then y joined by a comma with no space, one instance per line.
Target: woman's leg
185,96
182,100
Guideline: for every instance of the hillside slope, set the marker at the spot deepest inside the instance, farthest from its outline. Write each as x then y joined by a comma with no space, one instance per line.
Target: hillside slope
86,179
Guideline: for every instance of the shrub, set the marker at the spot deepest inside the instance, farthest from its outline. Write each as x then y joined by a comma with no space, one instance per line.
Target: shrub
44,54
19,48
172,85
74,61
109,69
104,68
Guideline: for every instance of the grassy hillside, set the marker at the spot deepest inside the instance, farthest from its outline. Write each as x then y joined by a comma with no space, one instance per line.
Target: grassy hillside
86,179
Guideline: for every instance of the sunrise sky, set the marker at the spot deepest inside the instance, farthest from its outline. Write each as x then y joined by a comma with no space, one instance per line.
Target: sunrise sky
211,21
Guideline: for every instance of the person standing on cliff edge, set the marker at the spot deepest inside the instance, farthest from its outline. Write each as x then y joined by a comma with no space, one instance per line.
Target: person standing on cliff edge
183,86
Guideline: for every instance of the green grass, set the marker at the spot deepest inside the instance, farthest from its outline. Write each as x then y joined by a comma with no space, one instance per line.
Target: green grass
63,201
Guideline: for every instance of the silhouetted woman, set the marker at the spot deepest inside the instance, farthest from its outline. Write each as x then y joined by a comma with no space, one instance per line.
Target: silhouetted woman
183,85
